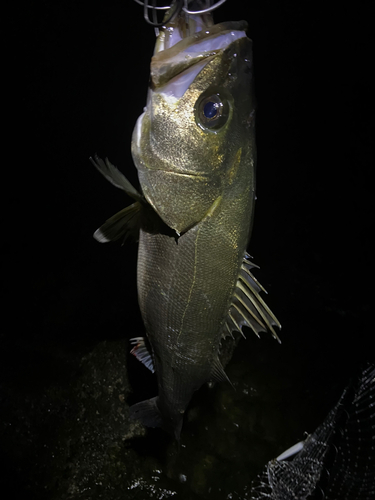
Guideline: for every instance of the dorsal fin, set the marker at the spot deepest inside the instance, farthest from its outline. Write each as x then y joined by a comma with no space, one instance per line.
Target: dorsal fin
217,372
247,307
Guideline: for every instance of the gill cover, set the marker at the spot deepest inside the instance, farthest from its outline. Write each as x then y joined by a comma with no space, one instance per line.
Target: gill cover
188,139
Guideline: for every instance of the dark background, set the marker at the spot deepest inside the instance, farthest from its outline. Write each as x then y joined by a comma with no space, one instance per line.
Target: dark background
79,81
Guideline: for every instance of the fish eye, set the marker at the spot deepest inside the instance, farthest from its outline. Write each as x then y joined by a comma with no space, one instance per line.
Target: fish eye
211,112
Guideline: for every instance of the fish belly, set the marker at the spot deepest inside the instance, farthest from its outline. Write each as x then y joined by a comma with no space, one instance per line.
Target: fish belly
185,287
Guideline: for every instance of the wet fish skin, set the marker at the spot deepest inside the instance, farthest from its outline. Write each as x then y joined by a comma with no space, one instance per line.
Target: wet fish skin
202,184
194,149
183,169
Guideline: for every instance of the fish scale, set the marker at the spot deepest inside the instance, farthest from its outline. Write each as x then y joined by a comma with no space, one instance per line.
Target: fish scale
179,300
194,149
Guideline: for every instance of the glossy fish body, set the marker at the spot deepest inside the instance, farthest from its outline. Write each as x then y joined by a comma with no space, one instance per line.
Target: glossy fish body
194,149
185,291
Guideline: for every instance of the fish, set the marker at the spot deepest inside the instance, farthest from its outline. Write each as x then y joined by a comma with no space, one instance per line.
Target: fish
195,153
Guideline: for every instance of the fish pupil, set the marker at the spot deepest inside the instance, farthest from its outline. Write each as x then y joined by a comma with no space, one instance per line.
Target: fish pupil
210,109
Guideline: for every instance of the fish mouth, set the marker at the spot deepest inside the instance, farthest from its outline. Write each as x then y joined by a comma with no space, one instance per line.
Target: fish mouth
201,176
182,27
187,173
182,52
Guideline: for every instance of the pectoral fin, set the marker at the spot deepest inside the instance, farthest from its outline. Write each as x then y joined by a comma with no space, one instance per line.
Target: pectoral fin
121,225
128,221
115,177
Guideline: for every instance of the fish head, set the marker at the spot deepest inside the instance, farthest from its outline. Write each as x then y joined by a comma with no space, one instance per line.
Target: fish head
198,120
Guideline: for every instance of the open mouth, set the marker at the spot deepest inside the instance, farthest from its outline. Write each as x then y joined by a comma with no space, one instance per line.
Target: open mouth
182,27
181,53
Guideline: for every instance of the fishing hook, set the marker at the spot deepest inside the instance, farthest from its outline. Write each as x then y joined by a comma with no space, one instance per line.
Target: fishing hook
175,9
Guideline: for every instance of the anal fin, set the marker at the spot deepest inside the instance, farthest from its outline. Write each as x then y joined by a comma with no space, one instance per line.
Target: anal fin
142,352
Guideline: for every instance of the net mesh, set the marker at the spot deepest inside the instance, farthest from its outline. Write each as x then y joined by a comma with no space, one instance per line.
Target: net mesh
337,461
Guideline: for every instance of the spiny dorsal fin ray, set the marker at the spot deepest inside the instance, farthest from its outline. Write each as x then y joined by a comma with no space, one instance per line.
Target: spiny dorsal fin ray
245,321
142,352
248,308
259,306
217,373
228,332
115,177
246,268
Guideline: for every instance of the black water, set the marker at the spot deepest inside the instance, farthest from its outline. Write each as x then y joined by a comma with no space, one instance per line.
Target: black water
79,77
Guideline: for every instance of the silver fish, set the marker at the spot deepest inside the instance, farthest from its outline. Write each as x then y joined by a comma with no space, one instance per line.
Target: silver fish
194,149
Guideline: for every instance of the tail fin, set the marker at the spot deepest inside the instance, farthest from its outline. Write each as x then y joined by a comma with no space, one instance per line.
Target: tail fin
148,413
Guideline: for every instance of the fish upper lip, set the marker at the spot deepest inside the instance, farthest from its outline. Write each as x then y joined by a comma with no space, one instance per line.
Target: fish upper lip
170,62
210,31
